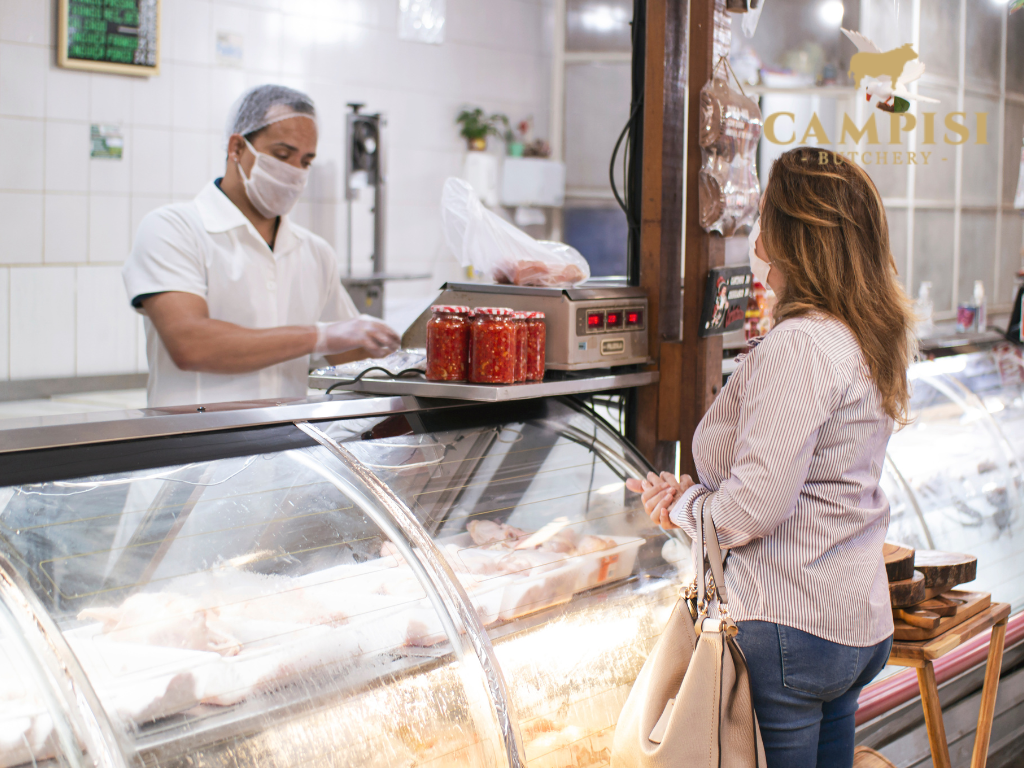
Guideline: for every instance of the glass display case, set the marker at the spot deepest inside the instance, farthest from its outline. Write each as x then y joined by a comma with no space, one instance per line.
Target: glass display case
954,476
336,584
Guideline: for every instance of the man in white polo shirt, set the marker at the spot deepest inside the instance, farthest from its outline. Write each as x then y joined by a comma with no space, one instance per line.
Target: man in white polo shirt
235,295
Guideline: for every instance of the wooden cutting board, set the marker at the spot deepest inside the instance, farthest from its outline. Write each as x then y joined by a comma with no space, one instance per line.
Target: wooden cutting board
908,591
928,614
899,561
945,569
916,616
940,605
970,604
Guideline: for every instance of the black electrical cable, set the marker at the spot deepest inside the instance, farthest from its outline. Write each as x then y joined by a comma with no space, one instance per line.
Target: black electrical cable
390,375
611,166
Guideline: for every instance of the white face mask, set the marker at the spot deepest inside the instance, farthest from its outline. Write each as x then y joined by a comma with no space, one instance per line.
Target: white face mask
273,186
759,267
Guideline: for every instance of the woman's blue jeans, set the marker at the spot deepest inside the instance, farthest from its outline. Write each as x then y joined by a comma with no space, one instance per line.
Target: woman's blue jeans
805,692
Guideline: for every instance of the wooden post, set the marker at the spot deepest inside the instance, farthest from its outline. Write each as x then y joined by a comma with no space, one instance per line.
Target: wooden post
701,358
933,715
660,252
989,691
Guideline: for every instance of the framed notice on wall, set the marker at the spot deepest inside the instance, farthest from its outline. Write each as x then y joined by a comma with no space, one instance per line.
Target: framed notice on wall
117,36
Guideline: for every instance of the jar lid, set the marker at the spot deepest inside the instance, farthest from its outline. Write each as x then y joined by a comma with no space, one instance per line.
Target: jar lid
534,315
520,315
501,311
450,308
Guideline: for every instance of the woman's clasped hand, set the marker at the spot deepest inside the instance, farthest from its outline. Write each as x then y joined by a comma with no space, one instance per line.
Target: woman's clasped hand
659,493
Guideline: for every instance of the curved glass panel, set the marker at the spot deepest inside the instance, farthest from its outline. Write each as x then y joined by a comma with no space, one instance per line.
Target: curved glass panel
253,609
528,504
28,734
964,474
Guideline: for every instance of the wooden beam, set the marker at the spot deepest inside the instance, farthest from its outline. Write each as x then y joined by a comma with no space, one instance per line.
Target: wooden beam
660,251
703,357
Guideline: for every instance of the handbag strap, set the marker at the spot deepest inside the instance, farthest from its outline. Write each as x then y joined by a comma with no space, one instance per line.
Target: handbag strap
714,555
708,551
699,559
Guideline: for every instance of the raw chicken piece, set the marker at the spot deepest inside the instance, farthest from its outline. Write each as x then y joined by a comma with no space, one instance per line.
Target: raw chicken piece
590,544
563,542
535,272
489,532
164,618
525,559
236,595
478,562
485,531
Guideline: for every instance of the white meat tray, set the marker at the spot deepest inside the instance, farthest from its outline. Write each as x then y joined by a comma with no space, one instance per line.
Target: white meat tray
507,597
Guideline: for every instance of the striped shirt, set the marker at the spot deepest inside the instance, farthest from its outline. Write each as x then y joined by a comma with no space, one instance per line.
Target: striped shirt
789,458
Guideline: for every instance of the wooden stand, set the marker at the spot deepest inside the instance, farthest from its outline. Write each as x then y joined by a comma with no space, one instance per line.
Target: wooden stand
921,653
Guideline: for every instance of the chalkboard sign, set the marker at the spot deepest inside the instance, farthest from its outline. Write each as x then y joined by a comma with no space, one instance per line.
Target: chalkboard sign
118,36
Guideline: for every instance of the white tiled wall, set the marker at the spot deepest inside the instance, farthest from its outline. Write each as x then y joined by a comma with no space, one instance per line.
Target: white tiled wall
68,220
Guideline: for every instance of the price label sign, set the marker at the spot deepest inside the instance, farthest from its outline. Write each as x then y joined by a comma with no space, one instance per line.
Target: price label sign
116,36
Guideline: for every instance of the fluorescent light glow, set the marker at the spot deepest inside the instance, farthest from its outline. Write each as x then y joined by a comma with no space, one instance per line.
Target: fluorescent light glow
951,364
604,18
993,404
831,12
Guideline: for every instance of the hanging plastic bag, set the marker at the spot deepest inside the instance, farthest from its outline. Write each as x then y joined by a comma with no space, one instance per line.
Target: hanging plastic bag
730,128
497,249
752,16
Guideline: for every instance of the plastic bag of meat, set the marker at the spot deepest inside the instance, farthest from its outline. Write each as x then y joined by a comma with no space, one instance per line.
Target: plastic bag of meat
497,249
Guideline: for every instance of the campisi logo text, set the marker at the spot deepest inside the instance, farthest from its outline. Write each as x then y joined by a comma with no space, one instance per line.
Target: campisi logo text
885,77
955,128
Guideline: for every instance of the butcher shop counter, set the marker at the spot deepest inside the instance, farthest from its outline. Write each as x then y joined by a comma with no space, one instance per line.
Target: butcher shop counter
346,581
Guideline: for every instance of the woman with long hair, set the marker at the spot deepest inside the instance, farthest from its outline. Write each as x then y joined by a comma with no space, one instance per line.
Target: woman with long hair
789,456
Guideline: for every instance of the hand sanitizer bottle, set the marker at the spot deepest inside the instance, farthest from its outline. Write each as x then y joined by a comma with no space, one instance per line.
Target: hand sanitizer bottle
980,315
923,307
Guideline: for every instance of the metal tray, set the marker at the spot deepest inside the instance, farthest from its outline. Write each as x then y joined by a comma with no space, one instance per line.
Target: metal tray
419,387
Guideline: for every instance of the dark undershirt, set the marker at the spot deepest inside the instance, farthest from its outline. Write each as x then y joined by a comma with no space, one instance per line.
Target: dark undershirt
137,301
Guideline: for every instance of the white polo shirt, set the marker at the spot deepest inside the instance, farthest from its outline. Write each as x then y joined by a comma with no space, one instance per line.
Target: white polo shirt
208,247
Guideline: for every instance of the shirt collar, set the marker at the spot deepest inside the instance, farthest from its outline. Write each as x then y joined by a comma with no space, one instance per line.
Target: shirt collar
219,214
217,211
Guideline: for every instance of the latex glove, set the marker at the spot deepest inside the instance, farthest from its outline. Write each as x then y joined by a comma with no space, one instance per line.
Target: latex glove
659,493
373,335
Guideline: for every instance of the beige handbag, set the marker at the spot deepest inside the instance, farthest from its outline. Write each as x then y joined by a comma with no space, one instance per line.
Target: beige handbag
691,706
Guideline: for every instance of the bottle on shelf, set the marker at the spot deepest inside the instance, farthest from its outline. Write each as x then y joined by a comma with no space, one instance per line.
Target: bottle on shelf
923,306
980,313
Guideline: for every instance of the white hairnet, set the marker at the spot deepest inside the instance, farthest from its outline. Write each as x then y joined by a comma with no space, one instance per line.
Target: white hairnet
266,104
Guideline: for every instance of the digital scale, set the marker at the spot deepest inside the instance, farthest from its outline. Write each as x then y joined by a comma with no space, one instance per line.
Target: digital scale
587,327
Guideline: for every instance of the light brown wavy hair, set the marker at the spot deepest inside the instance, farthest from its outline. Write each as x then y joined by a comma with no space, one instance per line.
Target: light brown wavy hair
823,226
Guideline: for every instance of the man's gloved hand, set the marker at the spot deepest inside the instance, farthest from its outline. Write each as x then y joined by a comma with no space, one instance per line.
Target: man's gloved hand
373,335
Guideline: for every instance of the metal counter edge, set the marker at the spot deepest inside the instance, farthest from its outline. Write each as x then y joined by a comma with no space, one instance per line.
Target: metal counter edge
113,426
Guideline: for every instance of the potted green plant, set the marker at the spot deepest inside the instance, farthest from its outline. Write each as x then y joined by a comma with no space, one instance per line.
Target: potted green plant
476,126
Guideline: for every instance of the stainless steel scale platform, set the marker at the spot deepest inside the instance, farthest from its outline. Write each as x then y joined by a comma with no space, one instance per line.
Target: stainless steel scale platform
591,381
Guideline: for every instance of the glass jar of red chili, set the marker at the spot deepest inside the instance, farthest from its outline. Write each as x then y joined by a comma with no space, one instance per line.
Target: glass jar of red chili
492,346
519,318
448,343
536,341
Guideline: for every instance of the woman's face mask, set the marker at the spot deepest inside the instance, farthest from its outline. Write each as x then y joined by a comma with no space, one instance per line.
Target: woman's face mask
273,186
759,267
